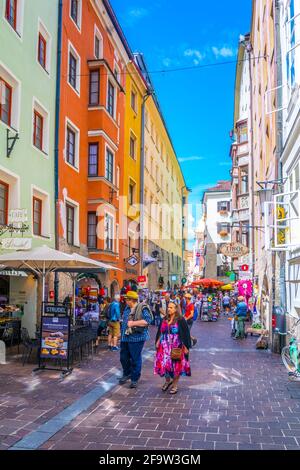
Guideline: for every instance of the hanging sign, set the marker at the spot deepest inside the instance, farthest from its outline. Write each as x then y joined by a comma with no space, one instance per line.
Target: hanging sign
234,250
132,260
17,216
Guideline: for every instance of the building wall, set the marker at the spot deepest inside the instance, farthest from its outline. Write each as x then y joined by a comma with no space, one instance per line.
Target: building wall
95,125
212,238
32,85
290,158
263,71
132,171
164,185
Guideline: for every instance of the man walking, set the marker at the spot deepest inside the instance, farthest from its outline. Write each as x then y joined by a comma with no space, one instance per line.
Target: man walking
189,314
241,314
136,320
114,328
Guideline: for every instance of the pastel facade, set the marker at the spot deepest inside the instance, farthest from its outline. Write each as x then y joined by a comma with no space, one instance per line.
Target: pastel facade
28,38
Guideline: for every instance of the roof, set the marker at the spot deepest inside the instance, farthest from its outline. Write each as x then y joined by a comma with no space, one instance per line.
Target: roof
222,185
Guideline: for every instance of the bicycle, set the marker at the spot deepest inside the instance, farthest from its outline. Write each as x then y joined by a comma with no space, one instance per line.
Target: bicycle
290,354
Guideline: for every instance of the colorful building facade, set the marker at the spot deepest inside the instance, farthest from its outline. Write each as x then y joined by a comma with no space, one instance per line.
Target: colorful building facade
91,140
28,51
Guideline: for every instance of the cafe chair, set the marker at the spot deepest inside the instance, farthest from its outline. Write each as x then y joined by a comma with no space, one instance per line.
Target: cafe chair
28,345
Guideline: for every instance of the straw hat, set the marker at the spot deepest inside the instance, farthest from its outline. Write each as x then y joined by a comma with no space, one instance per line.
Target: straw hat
188,296
131,295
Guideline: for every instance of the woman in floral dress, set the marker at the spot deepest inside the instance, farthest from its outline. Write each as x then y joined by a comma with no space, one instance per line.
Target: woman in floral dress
172,333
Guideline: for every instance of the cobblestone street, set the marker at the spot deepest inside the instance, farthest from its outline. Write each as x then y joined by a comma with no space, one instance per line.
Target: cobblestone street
237,398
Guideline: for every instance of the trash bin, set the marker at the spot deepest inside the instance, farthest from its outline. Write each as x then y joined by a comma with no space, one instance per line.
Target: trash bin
278,325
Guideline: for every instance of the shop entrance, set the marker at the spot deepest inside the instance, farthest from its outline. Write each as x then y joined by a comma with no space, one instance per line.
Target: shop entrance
4,289
114,289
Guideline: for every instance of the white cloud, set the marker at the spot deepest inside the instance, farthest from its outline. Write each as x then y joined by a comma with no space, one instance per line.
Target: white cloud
167,62
190,159
223,51
194,53
138,13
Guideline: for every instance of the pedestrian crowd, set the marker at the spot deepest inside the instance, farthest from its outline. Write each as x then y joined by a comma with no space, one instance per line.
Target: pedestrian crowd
126,318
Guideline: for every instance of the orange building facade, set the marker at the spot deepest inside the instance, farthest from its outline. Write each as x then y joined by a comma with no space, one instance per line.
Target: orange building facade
94,54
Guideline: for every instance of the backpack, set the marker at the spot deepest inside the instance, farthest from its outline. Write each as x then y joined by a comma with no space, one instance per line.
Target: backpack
138,315
107,311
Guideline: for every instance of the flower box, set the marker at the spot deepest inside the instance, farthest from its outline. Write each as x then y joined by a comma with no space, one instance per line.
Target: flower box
223,233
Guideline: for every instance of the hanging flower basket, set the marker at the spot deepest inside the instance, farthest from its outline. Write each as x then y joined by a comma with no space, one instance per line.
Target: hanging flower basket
223,212
223,233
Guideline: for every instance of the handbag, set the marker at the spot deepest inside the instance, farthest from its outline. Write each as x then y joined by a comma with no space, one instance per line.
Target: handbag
175,352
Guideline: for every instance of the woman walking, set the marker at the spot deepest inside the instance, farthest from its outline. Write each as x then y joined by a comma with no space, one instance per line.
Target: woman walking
173,342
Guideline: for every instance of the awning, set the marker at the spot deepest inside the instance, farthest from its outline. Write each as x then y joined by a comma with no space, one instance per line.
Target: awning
147,259
294,261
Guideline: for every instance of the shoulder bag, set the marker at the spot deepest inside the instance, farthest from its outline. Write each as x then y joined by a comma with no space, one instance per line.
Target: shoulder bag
175,352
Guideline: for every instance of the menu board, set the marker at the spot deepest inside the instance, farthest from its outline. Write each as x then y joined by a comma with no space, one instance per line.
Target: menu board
55,334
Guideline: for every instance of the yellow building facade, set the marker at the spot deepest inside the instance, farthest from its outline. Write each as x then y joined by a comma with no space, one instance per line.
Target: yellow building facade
165,192
131,178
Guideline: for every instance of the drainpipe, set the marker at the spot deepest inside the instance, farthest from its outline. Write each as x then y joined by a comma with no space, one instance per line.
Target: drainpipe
57,125
142,182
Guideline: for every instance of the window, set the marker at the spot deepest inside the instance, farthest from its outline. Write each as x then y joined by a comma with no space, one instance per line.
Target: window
98,44
117,73
94,88
223,227
111,99
75,12
109,166
42,51
37,216
70,224
92,230
134,100
11,12
72,71
109,221
244,182
93,159
131,192
3,203
221,271
71,147
243,133
38,130
291,35
132,146
5,102
223,206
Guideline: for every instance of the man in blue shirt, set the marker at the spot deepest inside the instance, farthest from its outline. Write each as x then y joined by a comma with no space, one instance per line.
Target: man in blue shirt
136,320
114,314
241,313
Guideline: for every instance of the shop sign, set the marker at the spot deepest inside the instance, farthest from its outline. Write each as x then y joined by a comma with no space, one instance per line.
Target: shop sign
17,216
132,260
143,285
13,273
142,279
245,275
55,335
16,243
51,309
234,250
174,278
131,271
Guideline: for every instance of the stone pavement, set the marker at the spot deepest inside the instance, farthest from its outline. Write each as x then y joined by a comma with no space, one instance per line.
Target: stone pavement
237,398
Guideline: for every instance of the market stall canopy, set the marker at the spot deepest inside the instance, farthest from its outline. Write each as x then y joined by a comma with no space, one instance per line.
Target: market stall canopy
213,283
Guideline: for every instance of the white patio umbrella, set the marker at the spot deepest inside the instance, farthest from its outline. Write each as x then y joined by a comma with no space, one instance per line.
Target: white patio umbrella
44,260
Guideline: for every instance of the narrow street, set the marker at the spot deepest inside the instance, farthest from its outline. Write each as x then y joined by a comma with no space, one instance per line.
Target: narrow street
237,398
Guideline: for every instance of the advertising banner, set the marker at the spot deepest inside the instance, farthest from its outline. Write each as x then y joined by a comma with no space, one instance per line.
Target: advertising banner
55,335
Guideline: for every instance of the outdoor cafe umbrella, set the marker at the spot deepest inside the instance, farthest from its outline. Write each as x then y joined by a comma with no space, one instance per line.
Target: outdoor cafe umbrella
44,260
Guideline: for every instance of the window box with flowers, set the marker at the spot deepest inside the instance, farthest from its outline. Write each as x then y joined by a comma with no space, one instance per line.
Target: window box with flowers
223,233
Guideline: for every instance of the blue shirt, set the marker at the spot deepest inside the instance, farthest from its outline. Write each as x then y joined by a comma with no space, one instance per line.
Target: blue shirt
115,313
136,337
241,309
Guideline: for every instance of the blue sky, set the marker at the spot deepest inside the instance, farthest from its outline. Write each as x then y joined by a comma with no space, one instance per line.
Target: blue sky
197,104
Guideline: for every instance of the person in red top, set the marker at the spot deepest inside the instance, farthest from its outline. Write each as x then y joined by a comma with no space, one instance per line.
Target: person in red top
189,314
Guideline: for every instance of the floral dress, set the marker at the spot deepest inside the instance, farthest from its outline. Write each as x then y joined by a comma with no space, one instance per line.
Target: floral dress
164,366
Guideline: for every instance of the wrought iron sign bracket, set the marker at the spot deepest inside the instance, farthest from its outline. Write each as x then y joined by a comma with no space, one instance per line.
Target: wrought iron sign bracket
11,229
10,142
